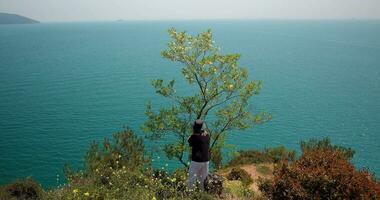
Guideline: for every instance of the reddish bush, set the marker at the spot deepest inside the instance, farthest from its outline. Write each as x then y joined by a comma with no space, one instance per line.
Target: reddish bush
321,174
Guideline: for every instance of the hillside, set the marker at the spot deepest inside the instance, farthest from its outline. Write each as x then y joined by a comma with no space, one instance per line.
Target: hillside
6,18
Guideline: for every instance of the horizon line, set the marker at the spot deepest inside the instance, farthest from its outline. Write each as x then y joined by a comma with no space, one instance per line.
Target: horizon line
357,18
213,19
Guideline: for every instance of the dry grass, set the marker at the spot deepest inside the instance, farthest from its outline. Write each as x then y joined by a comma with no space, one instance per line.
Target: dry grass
256,171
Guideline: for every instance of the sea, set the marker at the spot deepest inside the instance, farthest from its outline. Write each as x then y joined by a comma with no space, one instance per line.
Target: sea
64,85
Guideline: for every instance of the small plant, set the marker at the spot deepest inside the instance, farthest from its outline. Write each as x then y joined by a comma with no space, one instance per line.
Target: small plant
22,189
214,184
241,175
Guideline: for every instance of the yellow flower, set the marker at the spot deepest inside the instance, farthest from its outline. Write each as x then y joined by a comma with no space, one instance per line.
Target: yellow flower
231,86
75,191
154,198
86,194
174,179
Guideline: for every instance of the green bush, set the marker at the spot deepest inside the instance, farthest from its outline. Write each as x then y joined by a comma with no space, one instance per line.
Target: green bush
22,189
280,153
126,150
241,175
325,144
202,196
236,190
268,155
119,170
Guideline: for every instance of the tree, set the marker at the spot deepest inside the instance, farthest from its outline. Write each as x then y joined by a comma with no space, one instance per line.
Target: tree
222,96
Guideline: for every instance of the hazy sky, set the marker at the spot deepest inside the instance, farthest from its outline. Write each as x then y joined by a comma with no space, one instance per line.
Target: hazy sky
90,10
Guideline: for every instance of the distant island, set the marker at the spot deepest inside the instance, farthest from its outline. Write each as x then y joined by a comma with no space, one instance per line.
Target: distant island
6,18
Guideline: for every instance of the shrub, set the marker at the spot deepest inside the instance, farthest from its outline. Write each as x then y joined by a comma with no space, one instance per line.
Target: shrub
272,155
236,190
22,190
122,184
280,153
119,170
321,174
264,169
241,175
325,144
126,150
214,184
202,196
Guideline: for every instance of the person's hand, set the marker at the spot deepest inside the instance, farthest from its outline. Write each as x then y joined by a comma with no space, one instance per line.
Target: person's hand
204,133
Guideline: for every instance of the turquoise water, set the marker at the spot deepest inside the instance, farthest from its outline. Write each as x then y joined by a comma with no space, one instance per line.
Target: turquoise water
63,85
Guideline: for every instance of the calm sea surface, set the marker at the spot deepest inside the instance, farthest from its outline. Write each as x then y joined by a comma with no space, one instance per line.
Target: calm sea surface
63,85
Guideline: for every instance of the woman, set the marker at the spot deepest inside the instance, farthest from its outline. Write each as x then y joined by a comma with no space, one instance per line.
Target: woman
199,142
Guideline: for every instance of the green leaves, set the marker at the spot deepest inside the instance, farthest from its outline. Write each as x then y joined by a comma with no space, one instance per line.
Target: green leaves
164,90
126,149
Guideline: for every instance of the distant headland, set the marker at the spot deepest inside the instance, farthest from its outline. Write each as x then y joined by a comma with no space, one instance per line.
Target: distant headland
6,18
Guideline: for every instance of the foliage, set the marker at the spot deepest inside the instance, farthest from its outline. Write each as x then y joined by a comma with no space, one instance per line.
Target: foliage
325,144
22,189
126,149
119,170
128,184
264,169
121,184
222,89
268,155
280,153
214,184
236,190
202,196
241,175
321,174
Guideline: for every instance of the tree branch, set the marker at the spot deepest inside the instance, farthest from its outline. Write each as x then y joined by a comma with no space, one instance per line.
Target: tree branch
226,126
222,102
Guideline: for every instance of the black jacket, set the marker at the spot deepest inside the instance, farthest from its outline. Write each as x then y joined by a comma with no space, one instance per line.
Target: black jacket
200,147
